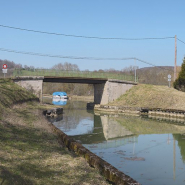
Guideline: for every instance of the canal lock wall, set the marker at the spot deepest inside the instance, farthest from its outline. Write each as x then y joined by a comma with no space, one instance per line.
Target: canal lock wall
167,114
111,173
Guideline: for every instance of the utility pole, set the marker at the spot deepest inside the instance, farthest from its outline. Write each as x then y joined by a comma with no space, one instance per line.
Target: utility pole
175,66
135,69
135,74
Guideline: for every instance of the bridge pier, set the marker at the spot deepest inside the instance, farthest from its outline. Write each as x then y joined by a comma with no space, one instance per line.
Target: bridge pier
110,90
32,84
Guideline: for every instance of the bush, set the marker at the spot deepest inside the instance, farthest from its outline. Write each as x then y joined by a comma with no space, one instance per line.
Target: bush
179,83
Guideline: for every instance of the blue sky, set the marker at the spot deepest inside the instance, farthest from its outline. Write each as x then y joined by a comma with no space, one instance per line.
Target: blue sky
99,18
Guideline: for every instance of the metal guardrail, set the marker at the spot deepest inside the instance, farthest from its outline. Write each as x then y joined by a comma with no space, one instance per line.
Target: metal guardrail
82,74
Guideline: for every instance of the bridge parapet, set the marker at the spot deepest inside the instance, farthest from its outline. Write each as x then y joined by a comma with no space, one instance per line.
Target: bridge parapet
82,74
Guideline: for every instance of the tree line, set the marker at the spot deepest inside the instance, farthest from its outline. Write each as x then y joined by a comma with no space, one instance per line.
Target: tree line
148,75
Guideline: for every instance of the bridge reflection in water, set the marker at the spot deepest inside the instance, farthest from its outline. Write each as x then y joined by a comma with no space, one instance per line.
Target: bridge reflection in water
100,132
107,133
150,151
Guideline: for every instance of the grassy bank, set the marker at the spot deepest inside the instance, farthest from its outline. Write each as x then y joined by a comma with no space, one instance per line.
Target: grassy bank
152,96
148,126
29,150
11,94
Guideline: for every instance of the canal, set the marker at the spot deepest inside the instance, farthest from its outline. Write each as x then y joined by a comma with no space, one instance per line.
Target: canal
150,150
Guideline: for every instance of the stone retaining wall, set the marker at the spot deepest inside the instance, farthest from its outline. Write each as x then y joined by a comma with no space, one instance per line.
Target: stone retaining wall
141,110
108,171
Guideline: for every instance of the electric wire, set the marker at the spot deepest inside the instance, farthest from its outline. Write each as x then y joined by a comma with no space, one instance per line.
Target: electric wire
153,65
62,56
181,41
79,58
82,36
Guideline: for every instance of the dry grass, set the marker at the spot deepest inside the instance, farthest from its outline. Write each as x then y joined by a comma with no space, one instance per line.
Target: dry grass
12,93
140,125
30,152
152,96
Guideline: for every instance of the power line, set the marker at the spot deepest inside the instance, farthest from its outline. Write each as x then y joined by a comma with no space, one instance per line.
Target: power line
181,41
61,56
82,36
153,65
78,58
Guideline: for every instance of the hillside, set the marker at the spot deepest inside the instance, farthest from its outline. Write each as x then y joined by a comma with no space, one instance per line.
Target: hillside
156,75
152,96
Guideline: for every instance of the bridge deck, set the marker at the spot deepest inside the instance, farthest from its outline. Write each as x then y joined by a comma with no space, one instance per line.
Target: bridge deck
83,80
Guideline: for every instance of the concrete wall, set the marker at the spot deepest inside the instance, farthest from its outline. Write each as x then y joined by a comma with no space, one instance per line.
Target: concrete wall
98,92
110,91
32,84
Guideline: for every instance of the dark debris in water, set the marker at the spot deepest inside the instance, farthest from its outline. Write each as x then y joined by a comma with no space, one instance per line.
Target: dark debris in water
120,152
135,158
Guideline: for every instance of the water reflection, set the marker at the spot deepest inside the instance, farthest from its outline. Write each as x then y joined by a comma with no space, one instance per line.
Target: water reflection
76,120
59,101
181,143
113,129
150,151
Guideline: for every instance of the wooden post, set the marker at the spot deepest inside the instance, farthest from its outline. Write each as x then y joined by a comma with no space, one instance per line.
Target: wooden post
175,66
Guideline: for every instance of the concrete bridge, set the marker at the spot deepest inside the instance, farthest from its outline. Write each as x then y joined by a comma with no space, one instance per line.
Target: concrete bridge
105,90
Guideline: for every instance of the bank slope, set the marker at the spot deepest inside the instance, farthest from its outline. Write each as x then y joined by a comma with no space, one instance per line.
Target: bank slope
29,150
11,93
152,96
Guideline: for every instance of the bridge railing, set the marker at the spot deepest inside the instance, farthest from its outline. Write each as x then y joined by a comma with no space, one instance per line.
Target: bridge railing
82,74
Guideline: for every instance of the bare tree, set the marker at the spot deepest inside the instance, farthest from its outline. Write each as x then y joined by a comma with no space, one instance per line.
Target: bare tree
66,67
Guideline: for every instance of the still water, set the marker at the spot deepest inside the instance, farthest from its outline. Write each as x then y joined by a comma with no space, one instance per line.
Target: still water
150,150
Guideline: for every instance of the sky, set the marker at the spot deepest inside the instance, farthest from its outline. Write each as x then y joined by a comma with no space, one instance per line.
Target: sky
97,18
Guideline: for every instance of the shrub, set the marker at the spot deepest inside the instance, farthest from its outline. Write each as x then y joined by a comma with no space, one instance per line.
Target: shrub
179,83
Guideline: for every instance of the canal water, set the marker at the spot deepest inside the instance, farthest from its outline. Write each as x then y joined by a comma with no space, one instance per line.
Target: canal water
150,150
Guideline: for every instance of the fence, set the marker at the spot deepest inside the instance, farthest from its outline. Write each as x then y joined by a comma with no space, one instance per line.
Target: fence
82,74
9,73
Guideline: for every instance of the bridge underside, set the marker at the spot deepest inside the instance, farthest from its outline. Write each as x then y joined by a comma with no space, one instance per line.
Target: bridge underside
75,80
105,90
